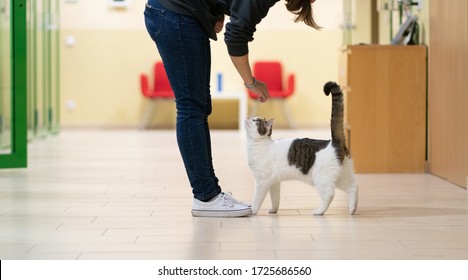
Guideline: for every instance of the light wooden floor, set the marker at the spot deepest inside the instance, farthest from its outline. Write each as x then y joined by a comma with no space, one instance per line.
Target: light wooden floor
124,195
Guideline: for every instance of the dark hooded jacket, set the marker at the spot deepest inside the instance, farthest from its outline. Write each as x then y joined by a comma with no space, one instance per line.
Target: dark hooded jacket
244,16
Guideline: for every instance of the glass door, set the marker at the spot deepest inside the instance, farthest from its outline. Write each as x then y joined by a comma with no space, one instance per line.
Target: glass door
31,47
348,22
43,67
38,56
361,21
53,71
13,80
29,75
5,77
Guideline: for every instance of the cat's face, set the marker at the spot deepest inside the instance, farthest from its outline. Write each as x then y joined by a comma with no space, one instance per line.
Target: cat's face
258,127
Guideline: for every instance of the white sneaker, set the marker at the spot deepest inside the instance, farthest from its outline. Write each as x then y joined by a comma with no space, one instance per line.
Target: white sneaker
224,205
237,201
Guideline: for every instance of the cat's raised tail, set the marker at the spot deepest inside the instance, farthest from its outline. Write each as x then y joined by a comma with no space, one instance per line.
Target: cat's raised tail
337,129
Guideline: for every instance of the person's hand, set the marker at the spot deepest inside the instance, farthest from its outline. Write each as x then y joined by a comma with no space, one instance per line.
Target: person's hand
219,24
261,90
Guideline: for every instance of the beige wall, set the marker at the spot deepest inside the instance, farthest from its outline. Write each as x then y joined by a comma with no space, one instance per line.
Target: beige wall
361,18
100,70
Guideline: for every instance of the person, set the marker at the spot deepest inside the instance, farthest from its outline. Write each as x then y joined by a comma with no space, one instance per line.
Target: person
181,30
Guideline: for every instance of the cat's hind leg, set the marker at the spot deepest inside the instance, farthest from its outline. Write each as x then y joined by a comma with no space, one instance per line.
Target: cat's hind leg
261,190
326,196
325,183
275,194
353,198
348,184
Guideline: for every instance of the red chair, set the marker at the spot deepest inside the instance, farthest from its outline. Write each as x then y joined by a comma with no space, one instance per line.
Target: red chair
161,91
271,73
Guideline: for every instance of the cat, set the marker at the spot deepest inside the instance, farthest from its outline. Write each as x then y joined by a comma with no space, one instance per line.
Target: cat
325,164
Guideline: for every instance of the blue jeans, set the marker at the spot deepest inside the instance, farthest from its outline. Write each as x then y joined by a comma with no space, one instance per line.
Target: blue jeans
185,50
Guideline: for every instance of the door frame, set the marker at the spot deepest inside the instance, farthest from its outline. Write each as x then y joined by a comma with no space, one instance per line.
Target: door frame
18,152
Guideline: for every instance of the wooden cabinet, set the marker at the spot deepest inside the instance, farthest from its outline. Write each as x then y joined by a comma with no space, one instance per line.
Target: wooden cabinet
385,107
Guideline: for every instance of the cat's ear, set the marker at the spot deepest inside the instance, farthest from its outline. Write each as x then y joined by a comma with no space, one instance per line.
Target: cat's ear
269,123
269,126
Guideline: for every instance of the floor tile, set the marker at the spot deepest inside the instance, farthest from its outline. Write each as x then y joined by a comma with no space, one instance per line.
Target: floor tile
82,198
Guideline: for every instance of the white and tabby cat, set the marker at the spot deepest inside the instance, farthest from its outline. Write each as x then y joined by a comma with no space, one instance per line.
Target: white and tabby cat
325,164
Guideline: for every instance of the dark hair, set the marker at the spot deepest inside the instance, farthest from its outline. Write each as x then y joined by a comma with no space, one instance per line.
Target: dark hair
303,11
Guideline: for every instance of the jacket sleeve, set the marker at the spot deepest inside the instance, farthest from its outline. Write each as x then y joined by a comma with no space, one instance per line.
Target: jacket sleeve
244,17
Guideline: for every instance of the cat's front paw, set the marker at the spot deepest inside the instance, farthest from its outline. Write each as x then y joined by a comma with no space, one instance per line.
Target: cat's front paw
318,212
255,210
273,211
